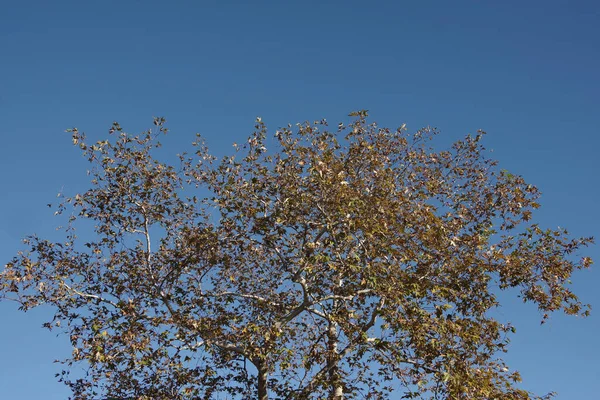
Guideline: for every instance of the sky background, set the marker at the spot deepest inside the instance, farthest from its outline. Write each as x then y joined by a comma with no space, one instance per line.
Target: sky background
524,71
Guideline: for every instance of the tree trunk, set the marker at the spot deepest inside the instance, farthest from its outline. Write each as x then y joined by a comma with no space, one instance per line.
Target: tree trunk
263,393
335,380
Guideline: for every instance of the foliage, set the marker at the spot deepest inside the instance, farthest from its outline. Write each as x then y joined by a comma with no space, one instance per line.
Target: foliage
344,264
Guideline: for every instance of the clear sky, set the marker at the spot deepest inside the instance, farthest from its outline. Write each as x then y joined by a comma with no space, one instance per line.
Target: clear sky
525,71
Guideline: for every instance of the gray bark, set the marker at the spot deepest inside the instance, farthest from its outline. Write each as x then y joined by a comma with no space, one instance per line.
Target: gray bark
335,380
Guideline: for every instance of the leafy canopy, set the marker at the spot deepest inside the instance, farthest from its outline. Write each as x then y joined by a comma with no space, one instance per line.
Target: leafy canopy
354,263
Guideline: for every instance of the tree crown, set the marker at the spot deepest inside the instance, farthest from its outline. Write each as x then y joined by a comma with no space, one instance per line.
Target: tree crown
344,263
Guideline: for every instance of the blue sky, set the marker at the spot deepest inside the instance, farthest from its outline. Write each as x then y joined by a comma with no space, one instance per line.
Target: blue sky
526,72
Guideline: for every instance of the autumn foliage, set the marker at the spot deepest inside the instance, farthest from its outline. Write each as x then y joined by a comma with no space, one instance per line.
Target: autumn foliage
346,264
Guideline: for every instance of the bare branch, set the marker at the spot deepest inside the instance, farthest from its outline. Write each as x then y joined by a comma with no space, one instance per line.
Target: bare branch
87,295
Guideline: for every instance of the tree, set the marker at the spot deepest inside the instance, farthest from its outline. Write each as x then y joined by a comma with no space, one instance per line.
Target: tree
342,265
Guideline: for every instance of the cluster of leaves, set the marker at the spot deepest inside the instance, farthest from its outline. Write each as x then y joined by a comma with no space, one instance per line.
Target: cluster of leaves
348,264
